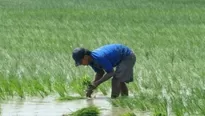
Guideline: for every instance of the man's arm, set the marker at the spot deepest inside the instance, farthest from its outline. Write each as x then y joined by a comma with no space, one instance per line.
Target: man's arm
99,75
107,66
103,79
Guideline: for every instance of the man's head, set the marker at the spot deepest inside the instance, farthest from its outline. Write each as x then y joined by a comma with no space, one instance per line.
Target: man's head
81,56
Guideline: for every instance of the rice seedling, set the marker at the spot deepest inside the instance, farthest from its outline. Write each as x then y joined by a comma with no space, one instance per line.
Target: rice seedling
88,111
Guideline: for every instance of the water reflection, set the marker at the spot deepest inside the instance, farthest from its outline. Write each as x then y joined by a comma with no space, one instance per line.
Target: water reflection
50,107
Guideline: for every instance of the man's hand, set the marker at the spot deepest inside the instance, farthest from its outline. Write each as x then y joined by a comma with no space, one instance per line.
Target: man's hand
89,90
88,93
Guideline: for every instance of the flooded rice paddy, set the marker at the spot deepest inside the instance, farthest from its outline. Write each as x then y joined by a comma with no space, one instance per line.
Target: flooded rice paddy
49,106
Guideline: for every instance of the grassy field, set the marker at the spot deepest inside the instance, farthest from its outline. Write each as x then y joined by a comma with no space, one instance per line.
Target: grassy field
168,37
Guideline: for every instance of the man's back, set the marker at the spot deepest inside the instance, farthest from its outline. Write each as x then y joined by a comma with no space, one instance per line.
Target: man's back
110,55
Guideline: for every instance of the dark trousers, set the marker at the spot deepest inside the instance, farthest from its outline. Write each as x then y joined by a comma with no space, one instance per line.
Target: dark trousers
118,88
123,74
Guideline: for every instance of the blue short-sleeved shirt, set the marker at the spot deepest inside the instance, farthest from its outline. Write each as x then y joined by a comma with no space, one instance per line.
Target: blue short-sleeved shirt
108,56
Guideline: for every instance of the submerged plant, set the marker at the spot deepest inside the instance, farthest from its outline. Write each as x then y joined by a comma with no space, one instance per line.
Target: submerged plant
70,98
88,111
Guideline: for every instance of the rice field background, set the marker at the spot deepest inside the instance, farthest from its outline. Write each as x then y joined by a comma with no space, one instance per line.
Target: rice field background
167,36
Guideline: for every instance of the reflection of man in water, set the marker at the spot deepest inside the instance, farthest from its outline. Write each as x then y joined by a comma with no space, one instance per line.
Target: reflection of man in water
104,59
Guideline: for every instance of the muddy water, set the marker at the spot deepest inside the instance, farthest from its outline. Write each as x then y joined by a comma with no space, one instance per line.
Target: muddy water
50,107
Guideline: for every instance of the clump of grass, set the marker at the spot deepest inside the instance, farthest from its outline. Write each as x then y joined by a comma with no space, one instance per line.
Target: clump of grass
70,98
88,111
128,114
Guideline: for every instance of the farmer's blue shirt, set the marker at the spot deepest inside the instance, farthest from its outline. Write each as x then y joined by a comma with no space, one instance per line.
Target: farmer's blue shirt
108,56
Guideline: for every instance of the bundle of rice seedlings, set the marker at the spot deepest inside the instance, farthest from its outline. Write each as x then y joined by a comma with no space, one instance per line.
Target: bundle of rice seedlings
88,111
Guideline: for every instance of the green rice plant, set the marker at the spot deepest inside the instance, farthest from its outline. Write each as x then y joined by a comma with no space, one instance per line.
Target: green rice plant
86,81
103,89
130,103
7,89
2,96
18,88
60,89
39,87
79,85
47,82
29,86
179,109
88,111
160,110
